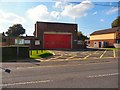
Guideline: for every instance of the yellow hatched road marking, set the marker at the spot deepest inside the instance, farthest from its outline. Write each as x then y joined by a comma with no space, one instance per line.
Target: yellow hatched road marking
71,57
114,54
90,54
56,57
87,56
103,54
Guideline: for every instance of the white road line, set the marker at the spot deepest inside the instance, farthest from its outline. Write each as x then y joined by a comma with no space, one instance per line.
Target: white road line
103,75
103,54
23,83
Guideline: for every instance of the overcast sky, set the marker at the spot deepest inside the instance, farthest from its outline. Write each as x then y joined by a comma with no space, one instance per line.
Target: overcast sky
90,16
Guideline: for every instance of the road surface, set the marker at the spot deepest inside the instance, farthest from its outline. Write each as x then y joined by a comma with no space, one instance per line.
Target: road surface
68,75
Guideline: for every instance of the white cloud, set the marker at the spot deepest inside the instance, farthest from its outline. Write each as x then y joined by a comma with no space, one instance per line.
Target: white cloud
94,13
102,20
76,11
58,4
41,12
7,19
112,10
55,14
10,17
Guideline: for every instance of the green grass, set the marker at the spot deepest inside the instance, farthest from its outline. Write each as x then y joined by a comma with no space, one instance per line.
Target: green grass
36,54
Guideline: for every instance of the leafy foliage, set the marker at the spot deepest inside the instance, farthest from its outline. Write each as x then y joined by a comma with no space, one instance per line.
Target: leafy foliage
116,22
81,36
3,34
2,37
15,30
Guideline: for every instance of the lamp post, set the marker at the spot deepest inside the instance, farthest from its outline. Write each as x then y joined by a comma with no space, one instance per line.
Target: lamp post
17,46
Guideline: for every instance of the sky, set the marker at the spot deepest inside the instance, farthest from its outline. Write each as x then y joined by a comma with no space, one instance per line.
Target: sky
88,14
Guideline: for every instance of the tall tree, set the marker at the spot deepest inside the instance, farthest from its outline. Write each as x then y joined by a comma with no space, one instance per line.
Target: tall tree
81,36
116,22
15,30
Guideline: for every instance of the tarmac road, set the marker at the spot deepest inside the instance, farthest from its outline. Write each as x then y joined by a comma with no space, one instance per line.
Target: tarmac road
64,75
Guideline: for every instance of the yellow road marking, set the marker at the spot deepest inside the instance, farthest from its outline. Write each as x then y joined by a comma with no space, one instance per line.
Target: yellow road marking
103,54
90,54
114,54
70,57
87,56
56,57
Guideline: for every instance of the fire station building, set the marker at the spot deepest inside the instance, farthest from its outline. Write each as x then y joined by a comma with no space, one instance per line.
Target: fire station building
56,35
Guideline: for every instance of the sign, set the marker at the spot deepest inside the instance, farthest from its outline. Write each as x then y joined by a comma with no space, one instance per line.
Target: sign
37,42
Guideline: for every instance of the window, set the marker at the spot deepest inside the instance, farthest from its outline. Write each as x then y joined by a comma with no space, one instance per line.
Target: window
118,41
19,41
95,43
80,42
27,41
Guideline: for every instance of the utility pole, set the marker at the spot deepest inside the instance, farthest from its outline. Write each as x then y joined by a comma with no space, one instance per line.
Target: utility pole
18,46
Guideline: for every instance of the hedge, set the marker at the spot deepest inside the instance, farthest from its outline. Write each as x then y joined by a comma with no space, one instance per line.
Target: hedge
10,53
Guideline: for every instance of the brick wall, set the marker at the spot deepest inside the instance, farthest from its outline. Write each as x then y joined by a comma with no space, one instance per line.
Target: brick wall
109,41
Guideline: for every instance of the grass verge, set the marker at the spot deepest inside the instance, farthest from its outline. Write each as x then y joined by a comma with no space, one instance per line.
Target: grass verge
112,48
36,54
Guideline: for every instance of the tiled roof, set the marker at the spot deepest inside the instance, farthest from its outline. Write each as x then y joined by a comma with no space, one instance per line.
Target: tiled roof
110,30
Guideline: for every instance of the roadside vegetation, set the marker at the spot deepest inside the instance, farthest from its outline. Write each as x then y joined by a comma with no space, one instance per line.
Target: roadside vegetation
36,54
112,48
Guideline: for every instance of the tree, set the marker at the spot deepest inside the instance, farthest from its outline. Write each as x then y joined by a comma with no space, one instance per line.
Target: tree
3,34
2,37
15,30
81,36
116,22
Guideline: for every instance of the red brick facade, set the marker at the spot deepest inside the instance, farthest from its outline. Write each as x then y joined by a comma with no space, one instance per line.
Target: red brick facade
110,42
11,40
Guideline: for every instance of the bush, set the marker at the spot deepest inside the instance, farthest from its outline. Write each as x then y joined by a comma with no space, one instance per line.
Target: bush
45,55
35,54
10,53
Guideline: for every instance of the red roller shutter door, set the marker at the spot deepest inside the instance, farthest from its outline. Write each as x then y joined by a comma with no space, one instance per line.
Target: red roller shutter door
54,41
